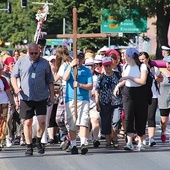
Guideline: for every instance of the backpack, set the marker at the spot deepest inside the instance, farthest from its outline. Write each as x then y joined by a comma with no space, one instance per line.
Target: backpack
148,85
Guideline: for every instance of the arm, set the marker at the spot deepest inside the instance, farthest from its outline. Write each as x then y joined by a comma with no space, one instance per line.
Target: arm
118,86
15,85
51,89
11,99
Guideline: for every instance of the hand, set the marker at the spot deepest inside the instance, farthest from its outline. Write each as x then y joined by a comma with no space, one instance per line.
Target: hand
51,100
17,90
116,91
75,84
74,62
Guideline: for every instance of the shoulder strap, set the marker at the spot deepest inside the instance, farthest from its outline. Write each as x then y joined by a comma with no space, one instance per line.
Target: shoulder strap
4,82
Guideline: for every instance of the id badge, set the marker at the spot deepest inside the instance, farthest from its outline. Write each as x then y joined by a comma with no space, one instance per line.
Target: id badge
33,75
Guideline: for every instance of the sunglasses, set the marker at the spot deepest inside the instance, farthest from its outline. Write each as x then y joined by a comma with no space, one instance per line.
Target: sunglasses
32,53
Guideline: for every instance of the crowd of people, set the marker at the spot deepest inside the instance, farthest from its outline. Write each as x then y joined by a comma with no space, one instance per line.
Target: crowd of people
104,94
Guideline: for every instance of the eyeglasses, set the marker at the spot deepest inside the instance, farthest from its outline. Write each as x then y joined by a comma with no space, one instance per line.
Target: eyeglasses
32,53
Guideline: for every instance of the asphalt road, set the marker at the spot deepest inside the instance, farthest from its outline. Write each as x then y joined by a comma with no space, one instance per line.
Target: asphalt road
153,158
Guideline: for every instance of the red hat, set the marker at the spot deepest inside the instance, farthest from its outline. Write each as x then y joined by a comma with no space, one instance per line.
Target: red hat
106,61
9,60
112,51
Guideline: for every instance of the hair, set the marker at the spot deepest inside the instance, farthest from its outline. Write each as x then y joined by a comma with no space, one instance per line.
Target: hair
62,55
136,58
13,53
147,57
113,56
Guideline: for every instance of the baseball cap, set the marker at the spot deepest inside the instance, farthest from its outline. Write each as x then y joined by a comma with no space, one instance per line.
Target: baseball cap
80,54
106,61
89,61
165,48
98,59
112,51
131,52
167,59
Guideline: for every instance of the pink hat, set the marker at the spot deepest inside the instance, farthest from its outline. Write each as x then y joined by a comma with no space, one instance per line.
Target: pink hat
106,61
9,60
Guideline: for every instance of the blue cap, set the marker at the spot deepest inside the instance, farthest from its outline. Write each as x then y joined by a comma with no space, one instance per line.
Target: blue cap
167,59
131,52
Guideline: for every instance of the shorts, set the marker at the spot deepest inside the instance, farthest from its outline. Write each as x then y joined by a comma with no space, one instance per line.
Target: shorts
164,112
30,108
94,113
82,114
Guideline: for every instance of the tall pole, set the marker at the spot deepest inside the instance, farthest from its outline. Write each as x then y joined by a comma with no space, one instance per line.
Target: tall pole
64,26
75,56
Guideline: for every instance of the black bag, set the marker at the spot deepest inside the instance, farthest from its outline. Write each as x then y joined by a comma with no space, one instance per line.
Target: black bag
16,117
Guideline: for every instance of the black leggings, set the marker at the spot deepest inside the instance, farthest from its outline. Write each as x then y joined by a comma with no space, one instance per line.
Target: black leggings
152,112
135,104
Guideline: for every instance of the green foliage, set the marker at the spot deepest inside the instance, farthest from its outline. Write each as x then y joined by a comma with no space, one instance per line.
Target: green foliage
21,23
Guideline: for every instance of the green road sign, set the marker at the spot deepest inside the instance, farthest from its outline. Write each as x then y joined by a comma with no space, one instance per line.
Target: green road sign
126,26
54,42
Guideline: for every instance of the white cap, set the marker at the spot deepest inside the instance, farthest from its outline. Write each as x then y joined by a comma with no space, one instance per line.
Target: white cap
52,57
104,48
98,59
165,48
89,61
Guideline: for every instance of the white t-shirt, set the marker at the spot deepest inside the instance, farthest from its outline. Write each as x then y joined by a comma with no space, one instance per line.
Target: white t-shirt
3,96
133,71
61,72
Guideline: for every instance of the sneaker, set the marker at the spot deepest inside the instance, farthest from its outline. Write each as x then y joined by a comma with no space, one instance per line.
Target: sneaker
8,143
51,141
64,145
152,142
29,152
22,142
96,143
144,142
163,137
83,149
115,144
129,147
74,150
1,147
140,148
69,149
40,148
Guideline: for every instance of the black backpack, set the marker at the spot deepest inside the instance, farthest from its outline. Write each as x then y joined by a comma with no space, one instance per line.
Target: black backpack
148,85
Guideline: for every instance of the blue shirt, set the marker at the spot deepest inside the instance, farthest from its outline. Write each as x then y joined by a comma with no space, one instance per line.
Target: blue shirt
34,78
84,77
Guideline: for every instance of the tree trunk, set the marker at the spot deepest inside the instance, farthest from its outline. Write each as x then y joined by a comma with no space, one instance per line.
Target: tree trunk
162,28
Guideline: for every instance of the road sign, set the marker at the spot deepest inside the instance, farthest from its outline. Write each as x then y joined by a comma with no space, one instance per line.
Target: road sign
126,26
54,42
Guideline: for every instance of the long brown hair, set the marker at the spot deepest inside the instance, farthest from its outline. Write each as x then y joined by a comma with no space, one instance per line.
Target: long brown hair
62,55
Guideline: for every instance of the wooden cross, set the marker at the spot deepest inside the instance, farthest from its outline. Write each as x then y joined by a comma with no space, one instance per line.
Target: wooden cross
75,36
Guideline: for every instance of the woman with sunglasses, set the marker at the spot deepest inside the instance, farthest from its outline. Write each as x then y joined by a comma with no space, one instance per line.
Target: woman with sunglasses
164,98
144,58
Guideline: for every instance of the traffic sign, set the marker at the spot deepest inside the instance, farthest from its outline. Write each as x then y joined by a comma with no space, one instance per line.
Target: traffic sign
54,42
126,26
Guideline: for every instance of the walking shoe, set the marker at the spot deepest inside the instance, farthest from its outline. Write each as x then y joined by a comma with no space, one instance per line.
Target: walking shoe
8,143
69,149
40,148
140,147
64,145
96,143
51,141
1,147
144,142
22,142
129,147
29,152
152,142
74,150
83,149
115,144
163,137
